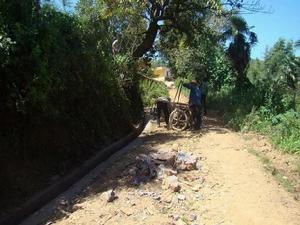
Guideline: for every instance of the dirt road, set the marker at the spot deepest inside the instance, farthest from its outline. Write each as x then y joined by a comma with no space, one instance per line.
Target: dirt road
231,187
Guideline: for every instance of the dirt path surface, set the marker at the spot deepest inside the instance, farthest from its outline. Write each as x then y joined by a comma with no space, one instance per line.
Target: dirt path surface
229,186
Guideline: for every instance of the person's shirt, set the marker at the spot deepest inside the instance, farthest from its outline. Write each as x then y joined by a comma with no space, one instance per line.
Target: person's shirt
204,87
195,93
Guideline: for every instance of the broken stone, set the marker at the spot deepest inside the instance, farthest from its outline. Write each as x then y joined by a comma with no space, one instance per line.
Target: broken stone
167,197
163,171
198,196
127,211
143,193
145,170
171,182
155,196
167,158
185,161
176,217
198,166
192,217
181,197
109,196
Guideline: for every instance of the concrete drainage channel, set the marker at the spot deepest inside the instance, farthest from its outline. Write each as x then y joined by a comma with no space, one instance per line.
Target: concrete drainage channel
52,194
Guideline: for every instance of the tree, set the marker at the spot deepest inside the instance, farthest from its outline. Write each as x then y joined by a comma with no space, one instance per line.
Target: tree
239,50
184,16
276,76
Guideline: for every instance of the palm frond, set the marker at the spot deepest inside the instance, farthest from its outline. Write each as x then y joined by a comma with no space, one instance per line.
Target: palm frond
297,44
240,24
253,38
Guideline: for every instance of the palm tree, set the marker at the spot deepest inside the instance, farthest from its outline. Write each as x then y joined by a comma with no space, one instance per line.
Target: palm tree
297,44
37,6
239,50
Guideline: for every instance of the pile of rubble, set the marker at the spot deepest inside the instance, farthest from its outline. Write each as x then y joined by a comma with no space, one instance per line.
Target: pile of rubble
163,165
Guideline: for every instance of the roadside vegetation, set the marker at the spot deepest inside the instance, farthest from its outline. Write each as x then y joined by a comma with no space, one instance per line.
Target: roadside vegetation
270,105
62,97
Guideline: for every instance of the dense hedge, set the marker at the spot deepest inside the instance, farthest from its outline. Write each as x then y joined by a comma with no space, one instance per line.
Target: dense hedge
60,97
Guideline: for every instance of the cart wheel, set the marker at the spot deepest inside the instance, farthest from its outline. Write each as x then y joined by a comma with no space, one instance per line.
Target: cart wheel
178,120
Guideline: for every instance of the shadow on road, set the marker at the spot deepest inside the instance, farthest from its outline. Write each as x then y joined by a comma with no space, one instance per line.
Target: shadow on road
116,175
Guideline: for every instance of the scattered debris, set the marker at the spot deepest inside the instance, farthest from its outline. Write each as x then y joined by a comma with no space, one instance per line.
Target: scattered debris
193,217
198,166
167,197
186,161
171,182
166,158
144,170
109,196
154,195
181,197
176,217
163,171
161,164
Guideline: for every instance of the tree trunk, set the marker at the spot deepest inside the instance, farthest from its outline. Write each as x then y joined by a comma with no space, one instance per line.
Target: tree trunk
148,41
243,82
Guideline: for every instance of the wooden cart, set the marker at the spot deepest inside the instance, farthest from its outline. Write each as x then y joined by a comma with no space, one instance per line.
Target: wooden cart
180,117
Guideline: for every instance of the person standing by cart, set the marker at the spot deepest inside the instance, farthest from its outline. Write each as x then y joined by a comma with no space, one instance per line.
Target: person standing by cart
195,100
163,105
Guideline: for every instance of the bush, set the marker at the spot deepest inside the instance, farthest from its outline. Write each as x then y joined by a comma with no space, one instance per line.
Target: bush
151,90
61,99
284,129
251,110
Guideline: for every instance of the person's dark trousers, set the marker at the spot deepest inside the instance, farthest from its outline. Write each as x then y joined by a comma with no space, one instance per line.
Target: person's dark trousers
162,106
196,117
204,104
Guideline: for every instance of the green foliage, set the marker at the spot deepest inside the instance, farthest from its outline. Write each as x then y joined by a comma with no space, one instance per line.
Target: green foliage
62,96
151,90
202,58
270,105
276,77
284,129
239,49
185,91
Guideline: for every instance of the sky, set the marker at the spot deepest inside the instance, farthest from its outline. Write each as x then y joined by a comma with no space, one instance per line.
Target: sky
282,21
